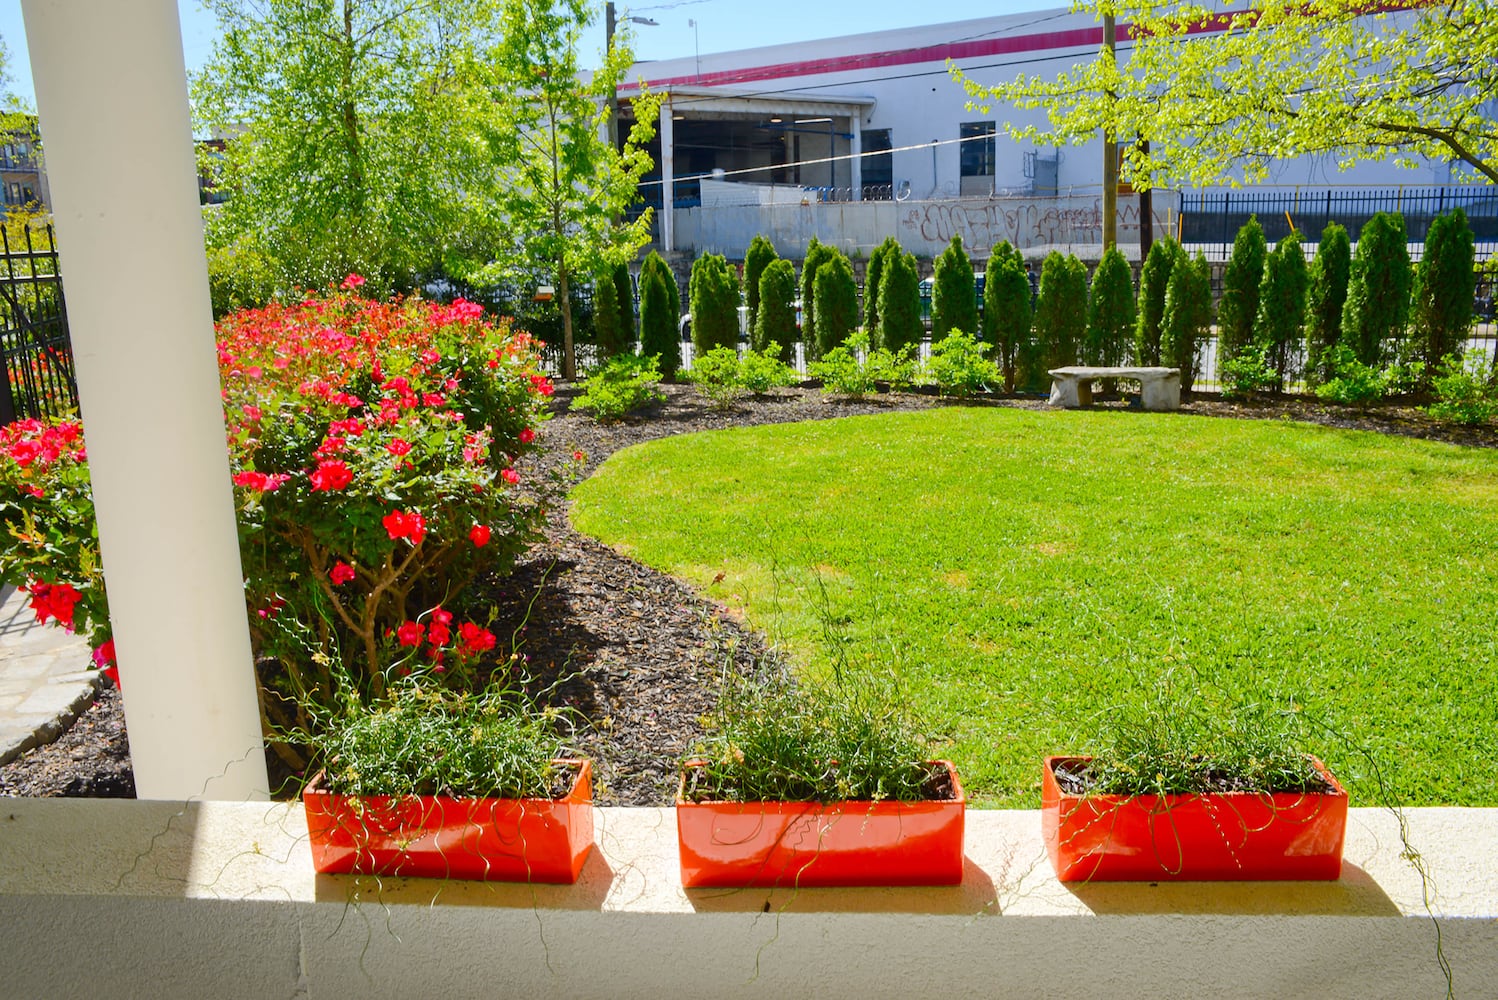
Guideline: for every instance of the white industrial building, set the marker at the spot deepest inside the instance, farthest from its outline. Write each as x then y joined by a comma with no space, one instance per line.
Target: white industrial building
855,138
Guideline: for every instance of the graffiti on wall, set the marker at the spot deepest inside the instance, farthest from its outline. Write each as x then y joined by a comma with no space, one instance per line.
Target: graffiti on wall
1023,222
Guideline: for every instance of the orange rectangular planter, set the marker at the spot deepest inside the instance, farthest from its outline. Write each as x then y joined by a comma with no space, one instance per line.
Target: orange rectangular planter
434,836
799,844
1215,837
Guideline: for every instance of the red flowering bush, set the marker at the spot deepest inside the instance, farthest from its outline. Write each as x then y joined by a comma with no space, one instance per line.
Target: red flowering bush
372,446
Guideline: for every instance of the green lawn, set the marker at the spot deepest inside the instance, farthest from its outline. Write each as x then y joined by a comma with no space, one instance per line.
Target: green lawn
1026,572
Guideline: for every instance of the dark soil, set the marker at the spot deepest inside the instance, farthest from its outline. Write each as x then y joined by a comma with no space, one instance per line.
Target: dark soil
635,652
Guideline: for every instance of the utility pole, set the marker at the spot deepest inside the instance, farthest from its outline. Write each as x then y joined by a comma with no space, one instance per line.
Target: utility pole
1110,154
609,25
1146,209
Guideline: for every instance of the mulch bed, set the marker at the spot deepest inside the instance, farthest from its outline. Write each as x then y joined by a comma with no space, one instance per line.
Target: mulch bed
635,652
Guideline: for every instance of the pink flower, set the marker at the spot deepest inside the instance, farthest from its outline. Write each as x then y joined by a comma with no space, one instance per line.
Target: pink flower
341,573
430,357
442,617
104,659
527,435
352,282
479,535
510,476
401,524
331,476
409,634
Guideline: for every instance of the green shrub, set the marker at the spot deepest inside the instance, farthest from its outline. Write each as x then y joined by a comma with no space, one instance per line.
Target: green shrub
660,312
1465,388
715,304
1246,373
954,294
1352,381
239,277
873,276
900,324
1060,313
716,375
1378,291
1188,316
1445,282
1110,312
624,300
1282,307
1240,292
817,254
611,335
761,372
1326,297
757,257
957,366
624,384
1006,309
775,320
1154,281
836,295
854,369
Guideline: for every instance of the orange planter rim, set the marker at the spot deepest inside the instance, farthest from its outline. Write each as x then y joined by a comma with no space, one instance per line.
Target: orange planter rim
959,794
582,768
1172,798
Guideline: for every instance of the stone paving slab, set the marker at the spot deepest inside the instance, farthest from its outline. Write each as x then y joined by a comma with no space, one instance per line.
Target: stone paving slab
45,680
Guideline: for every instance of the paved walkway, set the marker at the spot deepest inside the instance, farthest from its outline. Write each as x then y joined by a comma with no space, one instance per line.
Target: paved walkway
45,678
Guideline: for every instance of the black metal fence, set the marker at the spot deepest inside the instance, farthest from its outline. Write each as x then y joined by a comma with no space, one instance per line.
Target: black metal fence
38,356
1213,219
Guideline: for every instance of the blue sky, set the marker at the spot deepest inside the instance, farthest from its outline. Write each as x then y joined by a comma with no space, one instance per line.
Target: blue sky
722,25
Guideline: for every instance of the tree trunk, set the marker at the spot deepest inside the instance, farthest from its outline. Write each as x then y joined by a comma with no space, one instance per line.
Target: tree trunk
569,361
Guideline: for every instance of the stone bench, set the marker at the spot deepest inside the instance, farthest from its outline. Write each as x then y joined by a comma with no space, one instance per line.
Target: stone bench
1071,387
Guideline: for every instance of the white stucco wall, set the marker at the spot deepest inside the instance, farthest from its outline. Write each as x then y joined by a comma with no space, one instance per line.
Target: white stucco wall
135,899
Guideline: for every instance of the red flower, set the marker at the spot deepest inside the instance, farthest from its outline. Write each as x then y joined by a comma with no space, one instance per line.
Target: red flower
104,659
527,435
331,476
475,639
409,634
400,524
352,282
578,456
510,476
398,447
266,482
442,617
341,573
479,535
438,634
54,600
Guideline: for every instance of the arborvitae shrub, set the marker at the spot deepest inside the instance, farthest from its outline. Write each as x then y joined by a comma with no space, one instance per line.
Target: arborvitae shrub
1445,282
1110,311
1282,307
1188,315
1326,296
660,308
611,337
715,304
900,304
872,276
1006,309
1060,312
624,299
954,294
1240,292
836,294
817,254
1154,279
775,320
1378,290
760,253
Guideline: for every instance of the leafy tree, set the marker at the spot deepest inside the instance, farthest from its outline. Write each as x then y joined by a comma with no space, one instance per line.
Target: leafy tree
1325,298
1240,291
760,253
872,277
900,304
1154,279
817,254
1060,312
1378,290
1282,306
836,294
566,186
660,307
954,295
1187,321
715,304
1110,311
1445,281
1419,82
775,320
362,136
1006,308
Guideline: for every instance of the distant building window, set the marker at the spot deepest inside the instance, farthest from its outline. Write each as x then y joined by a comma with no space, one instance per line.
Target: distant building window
977,147
879,164
13,194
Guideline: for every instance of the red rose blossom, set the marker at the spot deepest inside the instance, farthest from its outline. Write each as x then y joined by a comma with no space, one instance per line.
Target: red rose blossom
479,535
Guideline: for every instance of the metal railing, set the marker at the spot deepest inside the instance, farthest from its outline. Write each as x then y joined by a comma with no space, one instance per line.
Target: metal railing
38,355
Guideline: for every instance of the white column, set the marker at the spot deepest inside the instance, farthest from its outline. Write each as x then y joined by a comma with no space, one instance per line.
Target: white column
668,178
112,96
855,146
